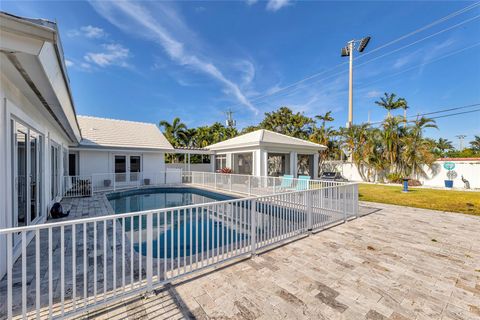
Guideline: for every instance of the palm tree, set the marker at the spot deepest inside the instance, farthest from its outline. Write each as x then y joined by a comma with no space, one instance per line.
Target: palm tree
389,103
175,132
325,118
443,145
404,106
475,143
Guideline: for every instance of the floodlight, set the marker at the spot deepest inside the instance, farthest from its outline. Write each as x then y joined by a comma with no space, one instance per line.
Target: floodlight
363,44
344,52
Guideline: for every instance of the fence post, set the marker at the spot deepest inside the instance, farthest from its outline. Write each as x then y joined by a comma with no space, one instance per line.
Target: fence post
253,231
309,211
249,185
149,250
215,177
344,202
114,182
203,178
230,182
355,200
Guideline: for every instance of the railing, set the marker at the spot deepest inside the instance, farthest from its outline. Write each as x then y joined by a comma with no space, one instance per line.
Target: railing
73,266
254,185
77,186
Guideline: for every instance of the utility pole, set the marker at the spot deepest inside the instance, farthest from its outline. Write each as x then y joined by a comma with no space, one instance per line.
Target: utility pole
348,51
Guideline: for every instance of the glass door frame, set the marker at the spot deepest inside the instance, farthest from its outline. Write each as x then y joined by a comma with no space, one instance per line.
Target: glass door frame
39,173
128,173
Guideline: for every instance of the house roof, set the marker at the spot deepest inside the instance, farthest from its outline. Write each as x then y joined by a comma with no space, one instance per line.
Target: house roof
265,137
111,133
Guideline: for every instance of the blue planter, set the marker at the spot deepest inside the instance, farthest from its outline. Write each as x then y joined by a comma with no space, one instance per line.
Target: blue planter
448,183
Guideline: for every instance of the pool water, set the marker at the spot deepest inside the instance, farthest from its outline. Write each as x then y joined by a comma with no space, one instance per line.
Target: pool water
177,232
158,198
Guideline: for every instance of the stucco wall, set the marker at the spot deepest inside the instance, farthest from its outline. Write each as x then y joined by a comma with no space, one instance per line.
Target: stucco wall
469,169
201,167
99,161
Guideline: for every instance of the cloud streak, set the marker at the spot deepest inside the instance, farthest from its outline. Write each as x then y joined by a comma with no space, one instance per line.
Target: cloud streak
275,5
174,48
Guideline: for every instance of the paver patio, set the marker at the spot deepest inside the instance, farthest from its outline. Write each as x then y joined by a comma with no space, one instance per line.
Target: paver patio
395,263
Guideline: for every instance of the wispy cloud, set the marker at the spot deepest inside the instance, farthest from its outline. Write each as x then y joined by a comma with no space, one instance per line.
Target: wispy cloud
250,2
373,94
69,63
114,54
275,5
156,30
88,32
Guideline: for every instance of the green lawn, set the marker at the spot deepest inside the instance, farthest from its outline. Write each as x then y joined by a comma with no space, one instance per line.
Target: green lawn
444,200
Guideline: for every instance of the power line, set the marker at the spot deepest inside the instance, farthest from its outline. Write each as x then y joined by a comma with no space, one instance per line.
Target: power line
454,114
408,69
361,64
439,111
452,15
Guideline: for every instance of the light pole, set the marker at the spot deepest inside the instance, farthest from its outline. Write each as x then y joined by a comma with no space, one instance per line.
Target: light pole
348,51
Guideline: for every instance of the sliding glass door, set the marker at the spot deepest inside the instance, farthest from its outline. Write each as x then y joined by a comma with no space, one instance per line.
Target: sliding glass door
27,154
127,168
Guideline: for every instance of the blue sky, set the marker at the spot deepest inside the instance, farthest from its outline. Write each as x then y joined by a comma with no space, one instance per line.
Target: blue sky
149,61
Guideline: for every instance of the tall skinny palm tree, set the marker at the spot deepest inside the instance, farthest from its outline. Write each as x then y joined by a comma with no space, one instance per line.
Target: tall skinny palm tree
389,103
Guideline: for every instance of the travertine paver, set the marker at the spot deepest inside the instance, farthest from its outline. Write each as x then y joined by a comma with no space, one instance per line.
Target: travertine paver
396,263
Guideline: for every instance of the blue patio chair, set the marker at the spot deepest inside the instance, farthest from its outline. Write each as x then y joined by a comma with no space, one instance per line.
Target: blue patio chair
303,183
287,182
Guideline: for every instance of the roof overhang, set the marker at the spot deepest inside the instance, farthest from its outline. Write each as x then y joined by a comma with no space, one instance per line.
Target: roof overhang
293,147
35,54
120,148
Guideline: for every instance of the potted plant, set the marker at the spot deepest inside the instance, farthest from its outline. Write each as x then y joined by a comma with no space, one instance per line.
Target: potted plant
449,166
450,175
146,181
107,182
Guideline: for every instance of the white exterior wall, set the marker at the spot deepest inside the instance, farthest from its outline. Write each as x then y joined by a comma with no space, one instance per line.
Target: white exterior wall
15,105
100,161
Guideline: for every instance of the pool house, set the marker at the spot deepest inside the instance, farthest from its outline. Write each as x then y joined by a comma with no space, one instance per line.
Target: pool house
267,153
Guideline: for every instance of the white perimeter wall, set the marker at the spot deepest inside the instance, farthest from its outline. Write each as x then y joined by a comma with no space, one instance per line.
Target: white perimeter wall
201,167
469,169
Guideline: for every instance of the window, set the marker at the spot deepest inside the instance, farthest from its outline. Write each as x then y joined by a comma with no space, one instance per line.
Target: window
305,165
243,163
120,168
134,168
220,162
278,164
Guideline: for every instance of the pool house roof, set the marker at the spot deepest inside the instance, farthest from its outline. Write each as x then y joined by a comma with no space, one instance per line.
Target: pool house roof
112,133
265,137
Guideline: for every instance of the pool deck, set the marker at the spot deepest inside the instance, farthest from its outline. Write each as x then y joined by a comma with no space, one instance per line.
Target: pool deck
392,263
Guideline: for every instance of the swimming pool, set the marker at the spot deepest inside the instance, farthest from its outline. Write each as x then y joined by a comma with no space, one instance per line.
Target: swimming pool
179,232
159,198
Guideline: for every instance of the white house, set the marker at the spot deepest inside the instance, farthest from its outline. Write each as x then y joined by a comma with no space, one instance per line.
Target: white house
267,153
120,147
42,139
